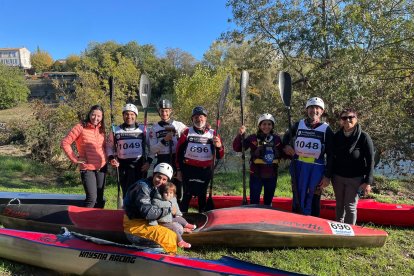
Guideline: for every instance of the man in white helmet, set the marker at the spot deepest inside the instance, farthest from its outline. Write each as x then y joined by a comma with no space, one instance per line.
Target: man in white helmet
140,212
308,142
163,138
125,146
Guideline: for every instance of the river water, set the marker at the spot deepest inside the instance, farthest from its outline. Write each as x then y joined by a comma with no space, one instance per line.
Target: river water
396,169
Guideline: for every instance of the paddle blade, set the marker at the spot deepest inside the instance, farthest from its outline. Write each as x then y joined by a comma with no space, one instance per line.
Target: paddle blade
223,95
285,87
144,91
244,81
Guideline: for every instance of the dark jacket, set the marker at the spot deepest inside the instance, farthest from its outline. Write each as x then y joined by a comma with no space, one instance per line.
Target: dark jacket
353,156
138,201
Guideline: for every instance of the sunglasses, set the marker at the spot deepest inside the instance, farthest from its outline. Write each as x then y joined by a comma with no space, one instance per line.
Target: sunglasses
344,118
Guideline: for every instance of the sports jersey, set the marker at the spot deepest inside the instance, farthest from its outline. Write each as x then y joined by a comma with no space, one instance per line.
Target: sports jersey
159,131
195,148
128,142
310,143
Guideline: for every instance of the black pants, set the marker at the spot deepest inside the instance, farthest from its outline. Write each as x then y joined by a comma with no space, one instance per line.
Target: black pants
195,183
129,173
166,158
316,205
94,184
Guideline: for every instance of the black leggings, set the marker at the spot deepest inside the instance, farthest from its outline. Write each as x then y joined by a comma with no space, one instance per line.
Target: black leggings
94,185
195,183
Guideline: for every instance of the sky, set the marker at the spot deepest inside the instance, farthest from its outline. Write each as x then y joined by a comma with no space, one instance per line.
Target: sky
63,28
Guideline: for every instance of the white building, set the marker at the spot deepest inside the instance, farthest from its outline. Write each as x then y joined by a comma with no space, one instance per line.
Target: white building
15,57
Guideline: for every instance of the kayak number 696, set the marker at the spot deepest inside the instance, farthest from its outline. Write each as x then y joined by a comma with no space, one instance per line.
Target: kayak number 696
341,229
339,226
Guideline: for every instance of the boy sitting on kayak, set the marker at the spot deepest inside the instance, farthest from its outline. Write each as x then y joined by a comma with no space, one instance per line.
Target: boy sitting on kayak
174,222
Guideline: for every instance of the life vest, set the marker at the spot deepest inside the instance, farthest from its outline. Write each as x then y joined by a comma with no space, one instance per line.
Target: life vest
267,154
310,143
161,129
199,146
129,141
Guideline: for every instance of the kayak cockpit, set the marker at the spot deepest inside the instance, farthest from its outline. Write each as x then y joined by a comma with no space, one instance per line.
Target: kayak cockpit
200,220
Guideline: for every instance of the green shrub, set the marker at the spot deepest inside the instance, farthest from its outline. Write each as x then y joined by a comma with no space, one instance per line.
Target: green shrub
13,88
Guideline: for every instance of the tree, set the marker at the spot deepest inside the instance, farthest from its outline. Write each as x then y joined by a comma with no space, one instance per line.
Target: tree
202,88
181,60
143,56
67,65
263,95
58,66
41,61
94,68
161,74
351,53
99,62
13,87
71,62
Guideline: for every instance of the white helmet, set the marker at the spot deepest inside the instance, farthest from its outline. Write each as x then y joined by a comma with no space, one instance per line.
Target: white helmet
130,107
315,101
165,169
264,117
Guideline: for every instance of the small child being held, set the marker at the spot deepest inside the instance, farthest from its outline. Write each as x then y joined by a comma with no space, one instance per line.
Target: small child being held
175,222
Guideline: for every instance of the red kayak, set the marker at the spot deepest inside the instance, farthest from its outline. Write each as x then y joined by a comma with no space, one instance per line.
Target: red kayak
248,226
369,210
82,255
42,198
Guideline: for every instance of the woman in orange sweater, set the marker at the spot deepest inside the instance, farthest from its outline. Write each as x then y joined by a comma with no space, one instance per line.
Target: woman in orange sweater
89,137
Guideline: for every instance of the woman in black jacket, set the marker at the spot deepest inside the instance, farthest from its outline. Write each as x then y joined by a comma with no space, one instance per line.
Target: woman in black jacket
353,166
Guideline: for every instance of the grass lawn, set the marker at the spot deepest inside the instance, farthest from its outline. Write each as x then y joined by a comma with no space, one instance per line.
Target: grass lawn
15,113
395,258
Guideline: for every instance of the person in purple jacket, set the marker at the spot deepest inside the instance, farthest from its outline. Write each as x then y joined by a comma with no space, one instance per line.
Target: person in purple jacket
265,152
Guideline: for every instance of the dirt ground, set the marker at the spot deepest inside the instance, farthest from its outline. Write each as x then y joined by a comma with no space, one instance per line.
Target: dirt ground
13,150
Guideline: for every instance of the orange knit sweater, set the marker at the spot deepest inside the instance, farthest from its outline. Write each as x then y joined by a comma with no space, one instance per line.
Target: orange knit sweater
90,144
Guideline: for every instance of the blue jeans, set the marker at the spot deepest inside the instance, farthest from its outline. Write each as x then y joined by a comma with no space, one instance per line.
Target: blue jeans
256,184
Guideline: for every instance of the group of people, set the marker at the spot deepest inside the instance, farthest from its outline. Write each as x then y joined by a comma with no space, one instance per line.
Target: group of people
184,165
320,156
184,158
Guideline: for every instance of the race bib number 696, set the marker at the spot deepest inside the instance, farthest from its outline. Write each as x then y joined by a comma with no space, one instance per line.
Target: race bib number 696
199,149
342,229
